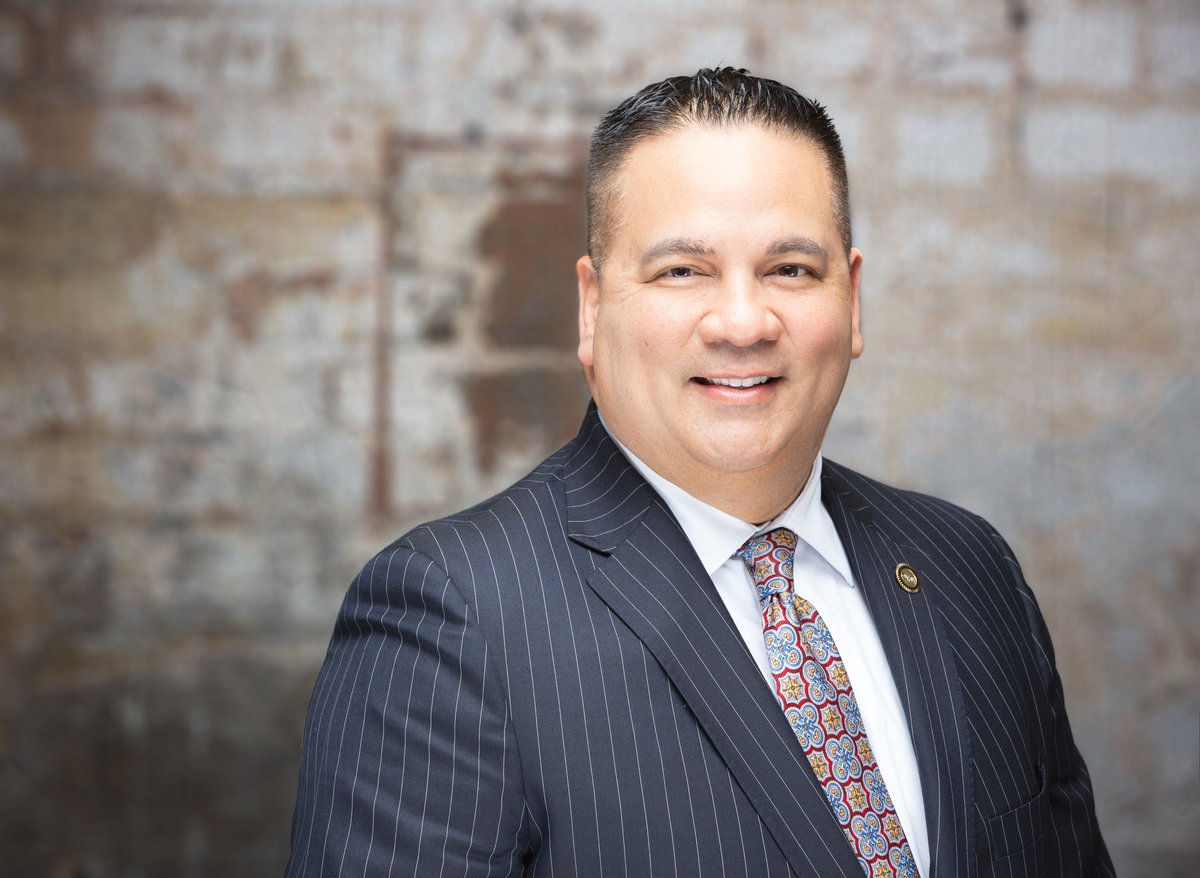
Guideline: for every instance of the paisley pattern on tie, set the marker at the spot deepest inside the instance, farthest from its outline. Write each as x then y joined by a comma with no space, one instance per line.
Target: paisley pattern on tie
814,689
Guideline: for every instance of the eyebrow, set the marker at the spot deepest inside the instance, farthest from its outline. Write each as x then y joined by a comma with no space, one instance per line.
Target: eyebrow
798,245
693,247
676,247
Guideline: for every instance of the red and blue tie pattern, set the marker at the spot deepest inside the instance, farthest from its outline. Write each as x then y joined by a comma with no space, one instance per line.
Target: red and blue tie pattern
814,689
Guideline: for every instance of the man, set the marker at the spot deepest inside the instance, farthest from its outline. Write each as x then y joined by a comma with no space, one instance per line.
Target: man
686,644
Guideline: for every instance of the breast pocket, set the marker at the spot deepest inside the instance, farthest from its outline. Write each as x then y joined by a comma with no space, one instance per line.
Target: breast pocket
1016,835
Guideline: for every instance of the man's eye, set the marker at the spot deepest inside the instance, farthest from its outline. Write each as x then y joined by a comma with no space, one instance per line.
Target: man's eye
792,270
678,271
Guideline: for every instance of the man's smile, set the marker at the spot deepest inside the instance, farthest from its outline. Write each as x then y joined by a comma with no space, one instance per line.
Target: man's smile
735,382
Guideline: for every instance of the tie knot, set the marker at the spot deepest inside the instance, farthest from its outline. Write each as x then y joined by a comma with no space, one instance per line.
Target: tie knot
768,557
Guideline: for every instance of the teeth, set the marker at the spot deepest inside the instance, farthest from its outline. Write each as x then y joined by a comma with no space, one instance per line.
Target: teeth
740,382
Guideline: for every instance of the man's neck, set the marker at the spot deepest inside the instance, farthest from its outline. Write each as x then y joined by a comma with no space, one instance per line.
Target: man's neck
752,497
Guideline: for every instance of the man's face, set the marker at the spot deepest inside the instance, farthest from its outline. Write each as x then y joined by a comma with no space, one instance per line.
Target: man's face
718,340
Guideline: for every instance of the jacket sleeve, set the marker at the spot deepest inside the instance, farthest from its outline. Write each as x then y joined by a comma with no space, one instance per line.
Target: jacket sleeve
409,764
1072,843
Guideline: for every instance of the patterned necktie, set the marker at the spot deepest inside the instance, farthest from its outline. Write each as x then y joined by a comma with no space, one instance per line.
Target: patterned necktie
813,688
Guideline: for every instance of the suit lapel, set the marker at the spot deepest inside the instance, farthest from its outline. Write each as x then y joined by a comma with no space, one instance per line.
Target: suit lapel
652,579
910,628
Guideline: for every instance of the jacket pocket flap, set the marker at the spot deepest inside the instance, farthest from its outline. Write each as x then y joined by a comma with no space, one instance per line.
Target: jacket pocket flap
1023,826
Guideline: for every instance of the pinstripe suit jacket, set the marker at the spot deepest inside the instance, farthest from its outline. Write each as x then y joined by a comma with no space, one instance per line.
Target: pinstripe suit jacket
548,684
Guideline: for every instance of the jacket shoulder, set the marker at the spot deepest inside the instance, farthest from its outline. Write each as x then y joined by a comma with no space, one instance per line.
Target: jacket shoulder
534,504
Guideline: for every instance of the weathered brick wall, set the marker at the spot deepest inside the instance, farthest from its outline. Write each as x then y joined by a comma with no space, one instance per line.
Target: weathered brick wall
279,279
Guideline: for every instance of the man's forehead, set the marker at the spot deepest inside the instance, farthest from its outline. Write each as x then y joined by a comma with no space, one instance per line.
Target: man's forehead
657,158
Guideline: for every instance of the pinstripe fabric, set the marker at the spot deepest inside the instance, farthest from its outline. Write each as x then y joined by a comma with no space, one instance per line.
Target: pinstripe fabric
548,684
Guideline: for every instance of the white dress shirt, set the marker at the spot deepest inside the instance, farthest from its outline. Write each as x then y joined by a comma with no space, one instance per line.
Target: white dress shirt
822,576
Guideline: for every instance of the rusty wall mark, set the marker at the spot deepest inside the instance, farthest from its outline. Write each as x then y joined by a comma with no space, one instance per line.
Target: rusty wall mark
529,412
533,239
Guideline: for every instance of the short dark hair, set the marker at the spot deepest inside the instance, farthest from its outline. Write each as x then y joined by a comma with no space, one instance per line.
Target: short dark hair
713,98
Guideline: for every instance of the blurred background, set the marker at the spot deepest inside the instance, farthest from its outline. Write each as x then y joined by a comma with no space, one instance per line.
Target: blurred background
279,280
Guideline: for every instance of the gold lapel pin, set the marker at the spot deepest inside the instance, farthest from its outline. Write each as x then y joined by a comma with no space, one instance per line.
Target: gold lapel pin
907,577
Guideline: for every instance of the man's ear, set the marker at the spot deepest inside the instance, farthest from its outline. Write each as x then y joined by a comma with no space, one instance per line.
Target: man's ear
856,339
589,301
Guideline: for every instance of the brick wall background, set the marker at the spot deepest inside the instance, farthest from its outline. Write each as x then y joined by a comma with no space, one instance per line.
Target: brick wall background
280,279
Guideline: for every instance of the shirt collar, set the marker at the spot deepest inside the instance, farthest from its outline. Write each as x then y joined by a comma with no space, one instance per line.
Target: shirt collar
716,536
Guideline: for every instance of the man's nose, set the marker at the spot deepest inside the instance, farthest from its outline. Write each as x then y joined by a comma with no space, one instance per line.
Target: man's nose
741,314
